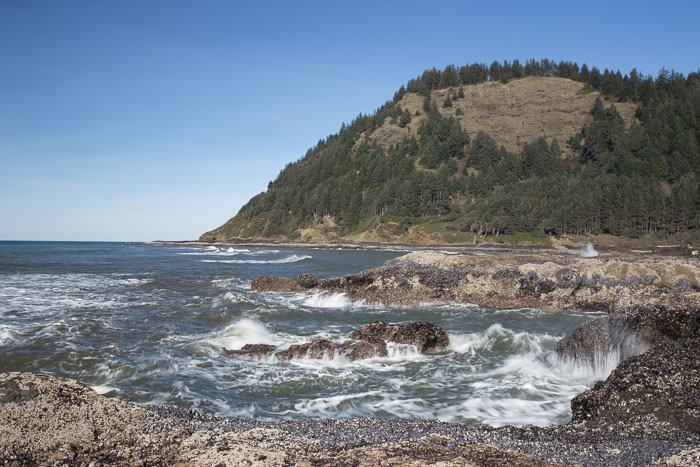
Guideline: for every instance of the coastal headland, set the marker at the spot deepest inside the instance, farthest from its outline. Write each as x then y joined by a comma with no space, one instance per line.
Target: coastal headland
647,411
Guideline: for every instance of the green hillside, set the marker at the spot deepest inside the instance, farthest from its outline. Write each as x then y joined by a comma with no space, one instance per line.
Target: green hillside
521,150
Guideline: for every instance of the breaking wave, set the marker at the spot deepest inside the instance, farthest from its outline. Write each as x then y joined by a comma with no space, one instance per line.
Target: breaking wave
240,333
334,300
288,259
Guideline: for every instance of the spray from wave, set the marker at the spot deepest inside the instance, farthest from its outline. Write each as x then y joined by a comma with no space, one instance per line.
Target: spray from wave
588,251
288,259
240,333
334,300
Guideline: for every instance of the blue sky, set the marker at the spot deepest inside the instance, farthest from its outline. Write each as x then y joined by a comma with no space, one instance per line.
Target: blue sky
140,120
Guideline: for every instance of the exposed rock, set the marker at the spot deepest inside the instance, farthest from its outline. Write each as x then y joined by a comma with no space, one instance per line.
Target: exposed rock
427,337
252,351
551,282
631,330
322,348
53,421
298,283
368,342
660,386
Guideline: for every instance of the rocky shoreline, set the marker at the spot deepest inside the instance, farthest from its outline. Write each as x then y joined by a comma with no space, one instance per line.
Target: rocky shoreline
646,412
537,280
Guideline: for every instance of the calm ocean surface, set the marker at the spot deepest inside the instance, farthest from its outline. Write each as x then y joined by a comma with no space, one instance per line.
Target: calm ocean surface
147,324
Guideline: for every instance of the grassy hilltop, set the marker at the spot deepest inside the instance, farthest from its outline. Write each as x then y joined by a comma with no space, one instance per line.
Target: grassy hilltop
491,153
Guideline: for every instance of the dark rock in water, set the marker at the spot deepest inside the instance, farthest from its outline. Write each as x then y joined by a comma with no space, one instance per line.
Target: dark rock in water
298,283
323,348
661,385
598,337
427,337
368,342
252,351
308,281
318,349
631,330
360,350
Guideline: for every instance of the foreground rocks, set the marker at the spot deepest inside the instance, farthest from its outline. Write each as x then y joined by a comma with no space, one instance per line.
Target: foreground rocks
659,388
47,421
368,342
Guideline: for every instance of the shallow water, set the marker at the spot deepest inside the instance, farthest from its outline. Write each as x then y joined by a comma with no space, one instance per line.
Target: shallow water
148,324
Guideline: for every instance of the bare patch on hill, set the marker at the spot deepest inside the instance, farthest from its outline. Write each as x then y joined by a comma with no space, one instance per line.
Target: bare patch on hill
514,113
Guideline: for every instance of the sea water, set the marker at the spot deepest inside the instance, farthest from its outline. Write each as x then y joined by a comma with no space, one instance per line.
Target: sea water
148,324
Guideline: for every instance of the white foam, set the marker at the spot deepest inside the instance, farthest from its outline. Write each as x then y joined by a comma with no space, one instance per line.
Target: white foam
497,335
334,300
216,252
503,411
230,297
329,406
6,334
403,352
104,389
288,259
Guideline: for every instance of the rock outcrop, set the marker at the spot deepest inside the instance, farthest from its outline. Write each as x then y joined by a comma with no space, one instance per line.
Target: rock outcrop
551,282
658,388
368,342
631,330
427,337
298,283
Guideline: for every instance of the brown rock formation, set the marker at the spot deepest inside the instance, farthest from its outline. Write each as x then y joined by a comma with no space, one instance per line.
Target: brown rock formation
551,282
368,342
298,283
427,337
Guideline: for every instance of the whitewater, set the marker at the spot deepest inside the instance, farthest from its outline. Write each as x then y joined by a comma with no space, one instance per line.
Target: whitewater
148,324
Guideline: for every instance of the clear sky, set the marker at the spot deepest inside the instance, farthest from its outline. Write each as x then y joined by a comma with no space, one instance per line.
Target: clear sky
142,120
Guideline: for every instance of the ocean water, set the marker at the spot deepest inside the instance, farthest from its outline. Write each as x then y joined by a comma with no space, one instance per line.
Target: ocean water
148,324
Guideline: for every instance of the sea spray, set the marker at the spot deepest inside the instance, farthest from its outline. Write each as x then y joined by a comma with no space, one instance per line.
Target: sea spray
325,300
240,333
588,251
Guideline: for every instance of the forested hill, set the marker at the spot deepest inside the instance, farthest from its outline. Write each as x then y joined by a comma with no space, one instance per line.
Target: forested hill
468,152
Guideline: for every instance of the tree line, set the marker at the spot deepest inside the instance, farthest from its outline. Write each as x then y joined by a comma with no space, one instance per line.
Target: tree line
624,181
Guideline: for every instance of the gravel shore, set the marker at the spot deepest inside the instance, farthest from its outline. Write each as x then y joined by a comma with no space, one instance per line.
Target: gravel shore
48,421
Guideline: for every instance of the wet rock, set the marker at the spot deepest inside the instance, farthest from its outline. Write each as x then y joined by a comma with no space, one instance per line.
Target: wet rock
630,330
660,386
368,342
427,337
593,340
532,286
298,283
323,348
318,349
252,351
363,349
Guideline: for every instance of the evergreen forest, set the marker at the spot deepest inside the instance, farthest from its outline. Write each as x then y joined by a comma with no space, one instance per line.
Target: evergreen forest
625,180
